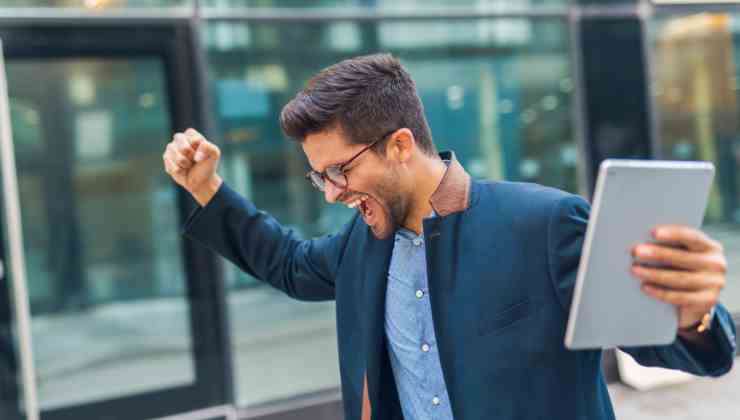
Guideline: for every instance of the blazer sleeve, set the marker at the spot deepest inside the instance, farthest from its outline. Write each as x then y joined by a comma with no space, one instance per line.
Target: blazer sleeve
566,231
233,227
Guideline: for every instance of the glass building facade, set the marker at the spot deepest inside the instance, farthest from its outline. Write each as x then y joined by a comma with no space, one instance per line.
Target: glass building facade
532,90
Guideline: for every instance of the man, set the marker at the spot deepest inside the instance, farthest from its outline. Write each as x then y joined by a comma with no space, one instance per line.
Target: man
451,295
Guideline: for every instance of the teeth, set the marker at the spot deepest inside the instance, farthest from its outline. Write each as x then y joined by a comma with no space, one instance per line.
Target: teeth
358,201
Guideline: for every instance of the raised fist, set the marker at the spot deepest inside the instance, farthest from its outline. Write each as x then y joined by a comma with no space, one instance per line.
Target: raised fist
192,161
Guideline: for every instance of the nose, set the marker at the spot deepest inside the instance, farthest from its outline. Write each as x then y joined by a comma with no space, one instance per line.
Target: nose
331,192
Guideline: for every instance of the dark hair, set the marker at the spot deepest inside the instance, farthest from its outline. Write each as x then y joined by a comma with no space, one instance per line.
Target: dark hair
366,96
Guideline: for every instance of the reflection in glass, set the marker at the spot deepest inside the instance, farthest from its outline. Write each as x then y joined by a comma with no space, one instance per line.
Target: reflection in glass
696,92
497,91
100,224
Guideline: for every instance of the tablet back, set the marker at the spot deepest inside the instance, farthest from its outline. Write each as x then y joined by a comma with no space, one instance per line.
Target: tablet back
631,197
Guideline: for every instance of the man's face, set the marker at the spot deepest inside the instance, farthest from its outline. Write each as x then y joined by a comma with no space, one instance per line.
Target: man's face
373,181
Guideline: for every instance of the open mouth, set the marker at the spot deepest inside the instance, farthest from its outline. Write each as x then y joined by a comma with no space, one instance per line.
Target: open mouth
366,211
363,206
373,213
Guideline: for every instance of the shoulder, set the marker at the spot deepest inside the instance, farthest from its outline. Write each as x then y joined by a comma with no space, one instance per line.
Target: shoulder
524,209
522,197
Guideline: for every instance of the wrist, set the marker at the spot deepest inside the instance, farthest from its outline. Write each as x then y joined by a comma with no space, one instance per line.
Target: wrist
204,194
701,326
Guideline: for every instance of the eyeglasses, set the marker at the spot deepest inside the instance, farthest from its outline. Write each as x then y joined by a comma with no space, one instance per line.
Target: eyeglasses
335,173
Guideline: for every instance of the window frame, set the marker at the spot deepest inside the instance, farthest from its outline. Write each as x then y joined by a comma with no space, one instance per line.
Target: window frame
173,41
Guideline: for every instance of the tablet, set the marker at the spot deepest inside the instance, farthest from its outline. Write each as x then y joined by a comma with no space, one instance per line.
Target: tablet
631,198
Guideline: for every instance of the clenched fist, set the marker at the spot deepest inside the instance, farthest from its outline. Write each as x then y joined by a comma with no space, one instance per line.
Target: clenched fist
191,161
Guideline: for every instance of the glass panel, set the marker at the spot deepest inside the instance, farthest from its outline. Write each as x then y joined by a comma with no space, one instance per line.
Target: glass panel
11,389
498,92
95,4
696,92
410,5
100,224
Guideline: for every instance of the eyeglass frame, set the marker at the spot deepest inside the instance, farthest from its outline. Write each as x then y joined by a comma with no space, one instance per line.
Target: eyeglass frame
340,167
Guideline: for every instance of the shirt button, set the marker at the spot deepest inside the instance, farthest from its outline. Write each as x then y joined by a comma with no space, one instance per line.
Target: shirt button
419,294
435,401
425,347
417,241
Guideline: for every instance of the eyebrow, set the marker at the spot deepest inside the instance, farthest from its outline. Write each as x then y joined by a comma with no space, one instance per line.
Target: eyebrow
342,162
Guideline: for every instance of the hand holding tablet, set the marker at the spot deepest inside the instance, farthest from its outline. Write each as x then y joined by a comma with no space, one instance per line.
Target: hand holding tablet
646,270
693,275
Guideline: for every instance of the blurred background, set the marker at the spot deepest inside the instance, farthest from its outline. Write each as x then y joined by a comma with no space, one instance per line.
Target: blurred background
129,321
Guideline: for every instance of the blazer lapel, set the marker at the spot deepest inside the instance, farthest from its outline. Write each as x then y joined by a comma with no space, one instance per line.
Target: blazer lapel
376,279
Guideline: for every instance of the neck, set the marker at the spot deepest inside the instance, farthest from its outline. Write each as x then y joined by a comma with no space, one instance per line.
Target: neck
428,176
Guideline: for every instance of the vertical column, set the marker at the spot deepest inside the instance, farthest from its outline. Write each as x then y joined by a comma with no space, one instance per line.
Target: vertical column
14,234
614,84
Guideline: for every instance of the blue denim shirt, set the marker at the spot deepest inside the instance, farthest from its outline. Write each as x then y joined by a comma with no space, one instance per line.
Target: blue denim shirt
408,326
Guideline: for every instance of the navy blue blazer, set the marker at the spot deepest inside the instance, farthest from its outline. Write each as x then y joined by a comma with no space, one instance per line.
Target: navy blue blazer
501,274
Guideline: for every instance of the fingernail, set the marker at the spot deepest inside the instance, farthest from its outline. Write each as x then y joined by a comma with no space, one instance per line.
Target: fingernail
198,156
644,251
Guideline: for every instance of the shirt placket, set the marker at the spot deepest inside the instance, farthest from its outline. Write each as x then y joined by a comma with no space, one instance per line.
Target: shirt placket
429,392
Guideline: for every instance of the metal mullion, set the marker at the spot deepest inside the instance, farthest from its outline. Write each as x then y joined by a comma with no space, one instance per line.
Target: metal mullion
204,115
614,11
22,16
366,14
652,106
13,226
694,8
579,116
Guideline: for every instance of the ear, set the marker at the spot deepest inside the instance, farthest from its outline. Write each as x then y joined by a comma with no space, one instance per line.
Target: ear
401,145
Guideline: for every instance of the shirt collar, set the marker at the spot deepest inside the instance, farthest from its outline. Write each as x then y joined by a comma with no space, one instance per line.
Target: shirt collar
453,193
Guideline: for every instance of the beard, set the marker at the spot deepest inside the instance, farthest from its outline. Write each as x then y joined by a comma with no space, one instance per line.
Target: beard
391,197
386,205
399,210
